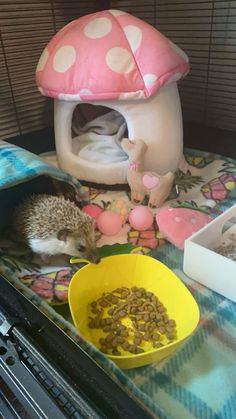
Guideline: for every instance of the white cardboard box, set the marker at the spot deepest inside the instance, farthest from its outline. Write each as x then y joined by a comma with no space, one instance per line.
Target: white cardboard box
203,264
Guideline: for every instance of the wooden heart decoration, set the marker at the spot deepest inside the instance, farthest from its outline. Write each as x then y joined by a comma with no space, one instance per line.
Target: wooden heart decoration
150,181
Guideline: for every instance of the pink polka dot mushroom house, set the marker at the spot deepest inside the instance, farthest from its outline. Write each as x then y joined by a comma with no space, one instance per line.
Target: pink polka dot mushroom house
115,60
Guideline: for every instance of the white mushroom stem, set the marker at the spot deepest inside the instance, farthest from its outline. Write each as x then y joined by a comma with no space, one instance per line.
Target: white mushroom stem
157,120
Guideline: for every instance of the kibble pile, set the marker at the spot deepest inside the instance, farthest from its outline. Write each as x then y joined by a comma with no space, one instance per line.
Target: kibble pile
129,317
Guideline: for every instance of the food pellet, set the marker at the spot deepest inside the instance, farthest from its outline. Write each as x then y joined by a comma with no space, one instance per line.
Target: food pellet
149,321
116,352
137,341
125,345
157,345
146,336
155,336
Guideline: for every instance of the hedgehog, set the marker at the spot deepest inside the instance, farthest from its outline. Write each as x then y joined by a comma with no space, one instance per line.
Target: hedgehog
51,225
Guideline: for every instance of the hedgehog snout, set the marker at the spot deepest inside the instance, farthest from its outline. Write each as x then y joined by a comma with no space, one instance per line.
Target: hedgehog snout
93,256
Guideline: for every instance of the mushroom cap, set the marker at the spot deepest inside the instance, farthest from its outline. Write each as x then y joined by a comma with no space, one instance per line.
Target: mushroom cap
108,55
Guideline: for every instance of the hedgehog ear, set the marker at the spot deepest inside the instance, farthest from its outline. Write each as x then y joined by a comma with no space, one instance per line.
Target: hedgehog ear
62,234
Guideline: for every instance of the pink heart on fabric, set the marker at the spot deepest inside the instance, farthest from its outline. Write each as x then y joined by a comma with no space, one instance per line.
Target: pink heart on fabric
150,181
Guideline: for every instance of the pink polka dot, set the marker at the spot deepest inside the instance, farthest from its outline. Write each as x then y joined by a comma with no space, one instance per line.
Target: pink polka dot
76,96
133,35
132,95
120,60
64,58
116,13
66,96
97,28
43,59
193,220
42,91
149,79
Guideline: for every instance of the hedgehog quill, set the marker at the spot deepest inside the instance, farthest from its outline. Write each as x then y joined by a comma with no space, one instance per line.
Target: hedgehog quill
51,225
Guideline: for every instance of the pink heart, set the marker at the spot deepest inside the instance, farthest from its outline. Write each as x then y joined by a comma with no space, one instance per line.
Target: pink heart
150,181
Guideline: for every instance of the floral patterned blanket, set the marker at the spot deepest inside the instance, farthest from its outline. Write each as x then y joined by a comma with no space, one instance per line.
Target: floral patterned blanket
206,183
188,384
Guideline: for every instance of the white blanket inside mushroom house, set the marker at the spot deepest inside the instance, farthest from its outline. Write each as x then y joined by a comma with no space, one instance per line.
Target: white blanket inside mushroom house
99,139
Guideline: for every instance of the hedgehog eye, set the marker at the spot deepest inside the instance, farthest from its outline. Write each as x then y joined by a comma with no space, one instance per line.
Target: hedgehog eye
81,248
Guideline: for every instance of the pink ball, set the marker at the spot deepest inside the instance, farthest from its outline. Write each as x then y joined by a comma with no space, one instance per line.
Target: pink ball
109,223
141,218
92,210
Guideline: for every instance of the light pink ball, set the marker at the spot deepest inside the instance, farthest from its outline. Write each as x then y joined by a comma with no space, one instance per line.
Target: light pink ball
141,218
109,223
93,210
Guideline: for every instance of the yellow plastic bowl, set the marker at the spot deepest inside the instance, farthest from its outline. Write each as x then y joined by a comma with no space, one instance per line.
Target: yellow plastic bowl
129,270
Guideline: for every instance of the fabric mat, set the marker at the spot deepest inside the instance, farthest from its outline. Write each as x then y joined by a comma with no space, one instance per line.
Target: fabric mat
199,379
